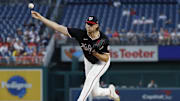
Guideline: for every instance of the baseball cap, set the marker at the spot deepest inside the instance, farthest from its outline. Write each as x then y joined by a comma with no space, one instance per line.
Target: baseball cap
92,20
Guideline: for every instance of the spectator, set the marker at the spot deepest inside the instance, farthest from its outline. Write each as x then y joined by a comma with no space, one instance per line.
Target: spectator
162,16
27,32
132,12
167,37
149,21
168,23
161,37
143,19
126,12
154,37
140,85
141,38
108,33
37,39
4,50
152,84
134,39
178,26
18,45
45,40
130,36
178,37
60,38
115,37
19,33
116,3
32,35
174,37
42,51
122,37
8,39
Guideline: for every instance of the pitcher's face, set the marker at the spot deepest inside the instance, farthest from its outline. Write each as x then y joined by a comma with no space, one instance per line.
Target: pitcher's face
91,27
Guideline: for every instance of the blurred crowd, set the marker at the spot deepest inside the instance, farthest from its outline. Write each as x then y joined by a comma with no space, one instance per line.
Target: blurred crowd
163,37
160,30
169,33
25,47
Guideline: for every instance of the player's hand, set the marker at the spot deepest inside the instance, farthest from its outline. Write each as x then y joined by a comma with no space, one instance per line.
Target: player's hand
93,51
36,15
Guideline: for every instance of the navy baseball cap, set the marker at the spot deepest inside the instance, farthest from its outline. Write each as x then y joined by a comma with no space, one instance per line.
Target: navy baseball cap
92,20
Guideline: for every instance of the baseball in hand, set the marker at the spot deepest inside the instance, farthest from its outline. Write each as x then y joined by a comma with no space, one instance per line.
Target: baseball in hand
31,5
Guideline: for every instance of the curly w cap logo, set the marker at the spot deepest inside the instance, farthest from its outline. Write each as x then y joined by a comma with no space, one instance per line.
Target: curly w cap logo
90,18
16,86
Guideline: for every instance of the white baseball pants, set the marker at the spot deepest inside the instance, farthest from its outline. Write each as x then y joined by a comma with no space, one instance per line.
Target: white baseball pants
91,84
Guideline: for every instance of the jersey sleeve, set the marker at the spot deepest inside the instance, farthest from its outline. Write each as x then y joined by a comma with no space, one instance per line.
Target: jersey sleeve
74,32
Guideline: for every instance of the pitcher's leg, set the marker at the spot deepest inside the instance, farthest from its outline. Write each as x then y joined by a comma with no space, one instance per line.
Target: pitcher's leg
92,78
87,65
99,91
109,92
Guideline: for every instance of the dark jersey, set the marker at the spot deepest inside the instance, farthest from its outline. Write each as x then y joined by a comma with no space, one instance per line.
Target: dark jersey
86,43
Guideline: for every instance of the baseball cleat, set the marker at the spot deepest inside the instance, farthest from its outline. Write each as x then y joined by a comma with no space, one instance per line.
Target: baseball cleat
113,94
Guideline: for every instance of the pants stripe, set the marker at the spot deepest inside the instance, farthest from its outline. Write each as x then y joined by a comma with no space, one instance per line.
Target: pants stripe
93,81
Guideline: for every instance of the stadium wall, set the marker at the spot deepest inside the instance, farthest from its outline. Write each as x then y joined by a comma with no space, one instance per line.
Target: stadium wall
61,82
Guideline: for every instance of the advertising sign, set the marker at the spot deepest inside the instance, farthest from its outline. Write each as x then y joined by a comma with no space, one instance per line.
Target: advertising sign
134,53
118,53
169,53
21,85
